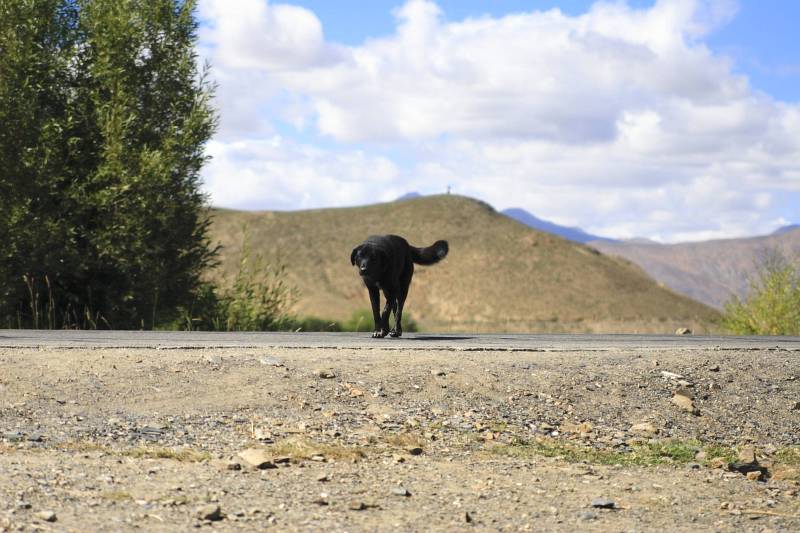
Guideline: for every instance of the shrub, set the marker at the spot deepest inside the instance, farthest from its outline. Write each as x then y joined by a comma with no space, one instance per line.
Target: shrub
772,306
258,300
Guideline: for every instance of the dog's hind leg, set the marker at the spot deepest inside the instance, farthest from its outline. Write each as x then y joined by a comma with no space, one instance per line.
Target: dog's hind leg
375,301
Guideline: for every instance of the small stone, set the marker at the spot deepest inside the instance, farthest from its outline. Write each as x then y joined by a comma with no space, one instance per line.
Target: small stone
571,427
701,455
684,401
47,516
414,450
467,518
357,505
796,406
683,331
714,368
323,478
13,436
270,361
35,437
603,503
747,455
754,475
323,499
318,458
644,428
670,375
718,462
401,491
588,515
209,511
325,373
438,372
257,458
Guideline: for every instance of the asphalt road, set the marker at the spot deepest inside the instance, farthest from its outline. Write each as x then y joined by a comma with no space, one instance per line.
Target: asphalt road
418,341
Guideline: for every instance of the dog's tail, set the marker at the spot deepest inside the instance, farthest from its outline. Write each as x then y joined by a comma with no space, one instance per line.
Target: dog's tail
430,255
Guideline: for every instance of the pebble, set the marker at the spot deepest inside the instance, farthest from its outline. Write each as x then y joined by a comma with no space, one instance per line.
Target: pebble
603,503
13,436
325,373
588,515
257,458
401,491
357,505
684,401
645,428
47,516
209,511
414,450
747,455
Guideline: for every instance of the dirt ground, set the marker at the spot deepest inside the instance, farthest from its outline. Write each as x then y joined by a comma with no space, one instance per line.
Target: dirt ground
382,440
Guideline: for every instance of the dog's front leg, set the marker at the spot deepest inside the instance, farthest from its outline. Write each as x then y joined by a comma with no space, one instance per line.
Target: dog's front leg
387,310
375,301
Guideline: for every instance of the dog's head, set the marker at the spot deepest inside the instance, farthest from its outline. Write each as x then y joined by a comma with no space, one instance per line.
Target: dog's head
370,260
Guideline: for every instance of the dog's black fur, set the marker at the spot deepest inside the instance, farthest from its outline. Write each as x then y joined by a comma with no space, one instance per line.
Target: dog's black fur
386,263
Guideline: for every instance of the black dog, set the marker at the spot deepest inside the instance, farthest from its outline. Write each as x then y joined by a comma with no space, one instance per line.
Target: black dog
386,262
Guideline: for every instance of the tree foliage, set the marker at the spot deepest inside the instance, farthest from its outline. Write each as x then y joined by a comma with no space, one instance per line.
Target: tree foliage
772,306
104,115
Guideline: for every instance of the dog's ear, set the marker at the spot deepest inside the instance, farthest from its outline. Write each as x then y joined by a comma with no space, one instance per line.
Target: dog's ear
354,252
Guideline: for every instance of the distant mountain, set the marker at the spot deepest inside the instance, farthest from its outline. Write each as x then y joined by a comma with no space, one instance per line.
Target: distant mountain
710,272
569,233
409,196
786,229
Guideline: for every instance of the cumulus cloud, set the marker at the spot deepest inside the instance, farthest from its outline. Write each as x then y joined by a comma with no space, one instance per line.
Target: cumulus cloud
620,120
281,174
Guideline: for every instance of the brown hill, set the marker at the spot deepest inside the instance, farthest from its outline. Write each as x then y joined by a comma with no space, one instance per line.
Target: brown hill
500,275
710,272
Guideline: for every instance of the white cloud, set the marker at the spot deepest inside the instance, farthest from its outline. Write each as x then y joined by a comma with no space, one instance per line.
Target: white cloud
285,175
620,120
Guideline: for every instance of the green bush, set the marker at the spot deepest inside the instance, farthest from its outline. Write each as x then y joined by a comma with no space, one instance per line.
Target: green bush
772,306
258,300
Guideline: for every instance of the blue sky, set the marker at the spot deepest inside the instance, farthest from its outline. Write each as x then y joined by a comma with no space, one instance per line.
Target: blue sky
674,120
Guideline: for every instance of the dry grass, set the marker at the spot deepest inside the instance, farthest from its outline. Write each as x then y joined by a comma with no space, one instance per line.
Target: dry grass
305,449
184,455
499,276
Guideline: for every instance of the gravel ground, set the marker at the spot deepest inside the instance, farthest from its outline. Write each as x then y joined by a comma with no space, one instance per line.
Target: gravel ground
406,440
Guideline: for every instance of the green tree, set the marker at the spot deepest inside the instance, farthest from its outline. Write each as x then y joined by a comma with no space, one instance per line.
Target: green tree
772,306
105,115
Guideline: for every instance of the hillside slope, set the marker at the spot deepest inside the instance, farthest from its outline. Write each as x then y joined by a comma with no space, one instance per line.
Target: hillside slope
710,272
500,275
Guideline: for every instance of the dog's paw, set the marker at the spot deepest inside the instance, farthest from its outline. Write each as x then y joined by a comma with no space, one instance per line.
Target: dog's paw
379,333
395,332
